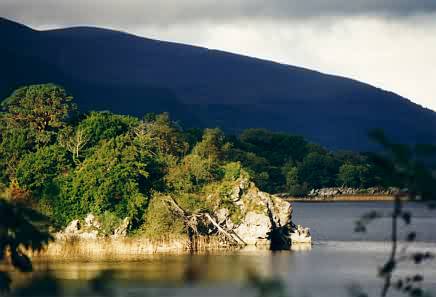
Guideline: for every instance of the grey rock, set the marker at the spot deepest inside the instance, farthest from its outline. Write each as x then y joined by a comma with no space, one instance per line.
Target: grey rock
338,191
254,229
73,227
259,214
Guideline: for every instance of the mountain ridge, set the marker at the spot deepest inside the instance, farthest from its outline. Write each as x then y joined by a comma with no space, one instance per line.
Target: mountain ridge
108,69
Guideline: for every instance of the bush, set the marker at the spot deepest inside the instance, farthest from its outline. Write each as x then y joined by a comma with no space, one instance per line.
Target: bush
159,220
232,171
109,222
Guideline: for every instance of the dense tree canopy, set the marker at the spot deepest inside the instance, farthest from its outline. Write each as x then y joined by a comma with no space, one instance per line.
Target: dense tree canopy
70,164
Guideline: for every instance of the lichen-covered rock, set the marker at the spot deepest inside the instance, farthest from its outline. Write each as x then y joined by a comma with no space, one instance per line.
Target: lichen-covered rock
256,215
92,228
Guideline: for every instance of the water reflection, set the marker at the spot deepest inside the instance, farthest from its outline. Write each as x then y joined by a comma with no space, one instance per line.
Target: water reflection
301,247
327,268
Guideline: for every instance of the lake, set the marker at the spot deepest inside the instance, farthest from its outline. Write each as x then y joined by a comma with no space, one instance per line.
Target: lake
338,259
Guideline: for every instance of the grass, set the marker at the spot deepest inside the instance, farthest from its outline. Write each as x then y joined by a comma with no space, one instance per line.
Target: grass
128,248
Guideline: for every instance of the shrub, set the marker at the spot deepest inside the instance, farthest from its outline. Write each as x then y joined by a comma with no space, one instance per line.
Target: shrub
109,222
159,220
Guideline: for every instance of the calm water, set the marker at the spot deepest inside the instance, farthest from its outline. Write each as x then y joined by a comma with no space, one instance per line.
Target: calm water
338,259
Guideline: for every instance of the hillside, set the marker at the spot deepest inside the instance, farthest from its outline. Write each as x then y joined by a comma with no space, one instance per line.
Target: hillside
107,69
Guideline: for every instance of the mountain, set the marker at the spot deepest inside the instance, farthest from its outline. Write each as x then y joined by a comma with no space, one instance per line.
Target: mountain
106,69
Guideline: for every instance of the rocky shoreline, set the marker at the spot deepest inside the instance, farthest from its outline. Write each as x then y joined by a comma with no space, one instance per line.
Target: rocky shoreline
346,194
250,218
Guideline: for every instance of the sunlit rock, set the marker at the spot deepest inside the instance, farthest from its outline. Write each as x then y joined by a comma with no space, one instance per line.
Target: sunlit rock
300,235
255,216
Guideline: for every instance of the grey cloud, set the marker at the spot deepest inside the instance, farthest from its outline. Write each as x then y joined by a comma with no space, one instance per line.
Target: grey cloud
170,12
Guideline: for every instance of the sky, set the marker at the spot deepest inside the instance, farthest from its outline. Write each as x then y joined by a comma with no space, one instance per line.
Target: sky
390,44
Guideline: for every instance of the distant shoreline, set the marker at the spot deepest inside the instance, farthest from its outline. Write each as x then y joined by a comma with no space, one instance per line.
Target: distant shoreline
344,198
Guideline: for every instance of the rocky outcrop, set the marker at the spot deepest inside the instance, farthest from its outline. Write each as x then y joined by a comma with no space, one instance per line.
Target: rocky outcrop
256,217
92,228
244,216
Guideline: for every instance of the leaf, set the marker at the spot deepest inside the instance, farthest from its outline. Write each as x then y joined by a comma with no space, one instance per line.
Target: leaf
359,228
387,268
411,236
417,258
407,217
399,284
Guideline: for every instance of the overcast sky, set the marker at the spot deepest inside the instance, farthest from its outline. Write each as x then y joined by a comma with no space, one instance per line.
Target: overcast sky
387,43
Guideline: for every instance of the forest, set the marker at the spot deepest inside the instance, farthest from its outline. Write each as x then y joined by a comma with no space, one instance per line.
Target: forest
66,164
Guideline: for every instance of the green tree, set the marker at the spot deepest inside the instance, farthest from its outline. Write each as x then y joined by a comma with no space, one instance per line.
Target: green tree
15,143
163,135
97,126
294,185
75,141
191,174
36,171
353,175
114,178
43,108
278,148
318,170
212,145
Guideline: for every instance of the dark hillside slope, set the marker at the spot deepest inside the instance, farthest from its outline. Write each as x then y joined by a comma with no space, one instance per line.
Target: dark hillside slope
113,70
